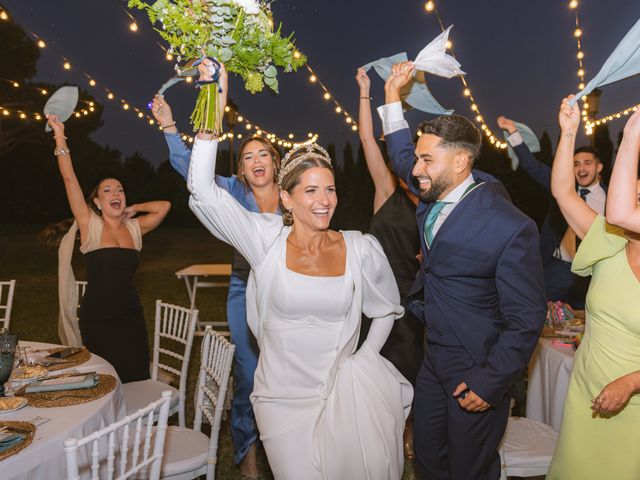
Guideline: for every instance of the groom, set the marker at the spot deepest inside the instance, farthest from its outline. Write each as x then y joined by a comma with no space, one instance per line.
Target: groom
479,292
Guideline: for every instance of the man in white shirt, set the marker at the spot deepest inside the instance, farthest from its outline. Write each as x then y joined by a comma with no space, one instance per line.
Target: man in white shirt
558,243
479,292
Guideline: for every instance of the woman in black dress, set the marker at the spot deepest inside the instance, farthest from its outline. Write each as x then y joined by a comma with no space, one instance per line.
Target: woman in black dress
394,225
111,319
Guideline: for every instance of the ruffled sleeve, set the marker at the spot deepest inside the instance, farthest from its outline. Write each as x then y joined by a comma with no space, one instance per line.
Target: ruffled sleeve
601,242
252,234
381,299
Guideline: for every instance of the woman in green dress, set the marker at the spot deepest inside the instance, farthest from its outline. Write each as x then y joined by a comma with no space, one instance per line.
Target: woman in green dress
599,437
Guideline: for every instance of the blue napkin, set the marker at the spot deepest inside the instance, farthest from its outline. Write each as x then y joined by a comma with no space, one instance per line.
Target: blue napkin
10,439
87,381
530,140
415,94
624,62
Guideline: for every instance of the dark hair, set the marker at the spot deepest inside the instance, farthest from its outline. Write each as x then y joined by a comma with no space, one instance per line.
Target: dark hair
292,179
588,149
455,131
52,234
275,156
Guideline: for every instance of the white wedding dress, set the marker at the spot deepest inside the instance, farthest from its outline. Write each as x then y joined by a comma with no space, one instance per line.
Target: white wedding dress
323,412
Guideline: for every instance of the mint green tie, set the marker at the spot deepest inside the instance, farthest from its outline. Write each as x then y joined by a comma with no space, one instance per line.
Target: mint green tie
431,220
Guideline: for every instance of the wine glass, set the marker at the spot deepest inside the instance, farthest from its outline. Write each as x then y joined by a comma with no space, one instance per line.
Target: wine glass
8,343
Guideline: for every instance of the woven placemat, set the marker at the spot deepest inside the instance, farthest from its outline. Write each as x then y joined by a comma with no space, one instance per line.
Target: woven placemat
71,361
24,443
66,398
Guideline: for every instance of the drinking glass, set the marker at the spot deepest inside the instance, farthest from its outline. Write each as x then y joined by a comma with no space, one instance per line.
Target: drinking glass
8,343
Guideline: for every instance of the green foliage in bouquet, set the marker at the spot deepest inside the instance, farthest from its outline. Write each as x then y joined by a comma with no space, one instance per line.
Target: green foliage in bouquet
239,33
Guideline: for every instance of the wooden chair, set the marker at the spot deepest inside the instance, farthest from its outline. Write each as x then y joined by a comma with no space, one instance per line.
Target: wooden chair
189,453
173,339
6,302
137,450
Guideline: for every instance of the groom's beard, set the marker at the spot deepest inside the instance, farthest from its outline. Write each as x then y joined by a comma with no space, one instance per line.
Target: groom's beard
437,187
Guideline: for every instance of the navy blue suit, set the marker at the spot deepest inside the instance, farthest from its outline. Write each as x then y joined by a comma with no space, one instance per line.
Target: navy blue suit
560,282
480,293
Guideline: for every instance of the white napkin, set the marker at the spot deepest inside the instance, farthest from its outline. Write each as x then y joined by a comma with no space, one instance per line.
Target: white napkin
434,59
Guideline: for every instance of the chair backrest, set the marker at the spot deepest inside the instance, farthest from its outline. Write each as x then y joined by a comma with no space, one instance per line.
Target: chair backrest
213,380
6,302
173,338
133,454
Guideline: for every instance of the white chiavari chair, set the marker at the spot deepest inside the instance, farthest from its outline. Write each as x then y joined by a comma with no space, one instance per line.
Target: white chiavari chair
172,342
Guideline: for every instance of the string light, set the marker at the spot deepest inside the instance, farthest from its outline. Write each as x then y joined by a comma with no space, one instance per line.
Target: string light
3,15
67,66
133,27
466,91
577,33
41,44
339,109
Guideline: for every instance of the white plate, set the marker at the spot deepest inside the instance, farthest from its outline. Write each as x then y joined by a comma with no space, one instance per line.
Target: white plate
22,404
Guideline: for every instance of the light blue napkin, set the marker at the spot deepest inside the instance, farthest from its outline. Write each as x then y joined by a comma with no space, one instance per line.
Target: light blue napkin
62,103
530,140
88,381
415,94
624,62
10,439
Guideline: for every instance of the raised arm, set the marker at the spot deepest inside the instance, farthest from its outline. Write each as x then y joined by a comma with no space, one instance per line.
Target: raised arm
250,233
396,129
575,211
75,196
179,153
153,214
533,167
623,205
383,180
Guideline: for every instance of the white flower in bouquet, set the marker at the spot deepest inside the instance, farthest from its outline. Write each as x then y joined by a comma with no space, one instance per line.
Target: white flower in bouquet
252,7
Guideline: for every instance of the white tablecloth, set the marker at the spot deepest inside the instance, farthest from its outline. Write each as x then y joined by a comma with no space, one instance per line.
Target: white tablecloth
44,458
549,374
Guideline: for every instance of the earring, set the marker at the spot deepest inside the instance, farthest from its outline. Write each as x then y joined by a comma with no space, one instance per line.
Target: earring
99,207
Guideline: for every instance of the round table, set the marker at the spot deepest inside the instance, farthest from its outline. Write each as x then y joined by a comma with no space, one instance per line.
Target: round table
549,375
44,458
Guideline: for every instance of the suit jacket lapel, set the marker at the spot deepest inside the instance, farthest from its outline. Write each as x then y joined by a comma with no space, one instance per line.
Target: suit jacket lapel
461,226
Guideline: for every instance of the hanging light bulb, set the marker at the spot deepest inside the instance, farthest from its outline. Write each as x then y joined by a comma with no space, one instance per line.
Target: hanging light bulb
41,44
67,66
429,6
133,27
92,82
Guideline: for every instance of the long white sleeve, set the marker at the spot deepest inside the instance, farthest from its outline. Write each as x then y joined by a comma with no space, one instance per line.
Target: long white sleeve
250,233
381,299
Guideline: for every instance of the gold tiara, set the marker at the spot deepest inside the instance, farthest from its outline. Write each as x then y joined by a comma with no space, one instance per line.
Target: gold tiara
288,164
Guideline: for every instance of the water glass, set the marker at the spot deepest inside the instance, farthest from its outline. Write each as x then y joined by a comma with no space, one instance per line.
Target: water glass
8,343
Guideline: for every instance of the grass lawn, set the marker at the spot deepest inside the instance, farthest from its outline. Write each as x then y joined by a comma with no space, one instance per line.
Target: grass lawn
166,250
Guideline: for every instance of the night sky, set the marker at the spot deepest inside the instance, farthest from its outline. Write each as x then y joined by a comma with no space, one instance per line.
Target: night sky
520,59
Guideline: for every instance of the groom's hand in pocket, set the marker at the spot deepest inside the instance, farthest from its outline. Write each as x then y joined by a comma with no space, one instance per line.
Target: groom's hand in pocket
468,400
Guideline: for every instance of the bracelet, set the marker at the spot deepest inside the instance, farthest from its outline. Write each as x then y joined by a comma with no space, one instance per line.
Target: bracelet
59,136
61,151
168,126
366,98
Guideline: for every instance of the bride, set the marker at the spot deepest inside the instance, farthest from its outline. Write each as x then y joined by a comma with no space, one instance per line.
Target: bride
323,411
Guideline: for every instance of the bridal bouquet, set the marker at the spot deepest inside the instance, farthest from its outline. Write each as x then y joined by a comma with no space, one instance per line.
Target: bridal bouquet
238,33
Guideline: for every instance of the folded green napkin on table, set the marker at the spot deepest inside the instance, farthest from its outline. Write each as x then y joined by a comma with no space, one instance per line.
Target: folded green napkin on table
10,439
63,383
